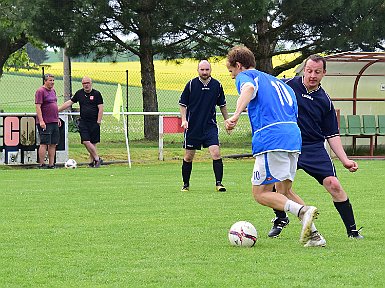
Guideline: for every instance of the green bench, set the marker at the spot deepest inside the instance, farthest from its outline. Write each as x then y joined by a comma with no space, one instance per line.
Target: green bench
356,128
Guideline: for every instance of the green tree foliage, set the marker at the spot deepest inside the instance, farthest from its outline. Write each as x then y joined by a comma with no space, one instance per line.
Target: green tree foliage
265,26
17,60
144,28
180,28
27,57
13,30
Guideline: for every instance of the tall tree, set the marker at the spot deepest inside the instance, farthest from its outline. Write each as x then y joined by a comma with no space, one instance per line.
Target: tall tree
143,28
13,30
178,28
304,26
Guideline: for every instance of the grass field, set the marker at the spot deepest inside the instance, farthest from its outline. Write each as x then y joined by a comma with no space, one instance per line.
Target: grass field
121,227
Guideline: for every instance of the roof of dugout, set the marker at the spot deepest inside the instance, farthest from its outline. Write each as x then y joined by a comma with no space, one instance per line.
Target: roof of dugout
354,65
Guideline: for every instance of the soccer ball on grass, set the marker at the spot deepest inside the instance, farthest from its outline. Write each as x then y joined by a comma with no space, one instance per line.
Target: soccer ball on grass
70,164
243,234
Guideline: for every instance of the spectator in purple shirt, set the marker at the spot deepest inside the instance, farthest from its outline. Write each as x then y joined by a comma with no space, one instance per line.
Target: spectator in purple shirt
47,120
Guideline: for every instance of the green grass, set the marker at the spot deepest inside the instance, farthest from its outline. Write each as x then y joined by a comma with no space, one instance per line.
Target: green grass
121,227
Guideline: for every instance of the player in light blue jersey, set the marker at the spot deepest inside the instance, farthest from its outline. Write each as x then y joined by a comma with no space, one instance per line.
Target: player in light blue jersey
272,116
276,142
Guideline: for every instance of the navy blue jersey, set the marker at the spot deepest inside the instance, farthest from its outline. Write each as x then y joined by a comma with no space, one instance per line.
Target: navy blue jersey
317,118
201,100
88,103
272,113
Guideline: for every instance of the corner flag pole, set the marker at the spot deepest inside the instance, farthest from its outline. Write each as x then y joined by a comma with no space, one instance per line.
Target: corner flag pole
125,134
118,105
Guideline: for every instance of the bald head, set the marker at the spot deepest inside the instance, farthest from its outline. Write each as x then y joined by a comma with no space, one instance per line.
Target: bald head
87,84
204,70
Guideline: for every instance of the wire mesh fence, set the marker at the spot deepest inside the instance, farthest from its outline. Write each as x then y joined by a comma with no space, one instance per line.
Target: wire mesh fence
17,90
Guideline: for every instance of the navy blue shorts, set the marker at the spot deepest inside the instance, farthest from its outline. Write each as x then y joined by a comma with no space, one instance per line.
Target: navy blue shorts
316,162
209,138
89,131
50,135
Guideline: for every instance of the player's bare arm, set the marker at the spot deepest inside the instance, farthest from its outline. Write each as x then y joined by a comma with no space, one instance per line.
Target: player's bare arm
65,105
336,145
183,112
247,93
39,115
224,112
100,113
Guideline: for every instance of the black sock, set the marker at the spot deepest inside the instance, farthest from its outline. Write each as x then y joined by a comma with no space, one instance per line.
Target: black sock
346,212
278,213
186,172
218,170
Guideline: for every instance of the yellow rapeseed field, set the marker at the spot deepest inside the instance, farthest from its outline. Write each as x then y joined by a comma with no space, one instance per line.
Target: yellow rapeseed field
169,75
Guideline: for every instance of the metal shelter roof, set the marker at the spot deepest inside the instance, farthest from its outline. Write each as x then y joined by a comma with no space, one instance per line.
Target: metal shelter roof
363,57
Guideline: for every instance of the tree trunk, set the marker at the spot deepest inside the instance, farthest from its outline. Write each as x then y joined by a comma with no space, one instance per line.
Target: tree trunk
4,54
265,48
67,76
150,101
3,58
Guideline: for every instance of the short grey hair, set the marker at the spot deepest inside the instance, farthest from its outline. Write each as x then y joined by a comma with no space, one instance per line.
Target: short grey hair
46,76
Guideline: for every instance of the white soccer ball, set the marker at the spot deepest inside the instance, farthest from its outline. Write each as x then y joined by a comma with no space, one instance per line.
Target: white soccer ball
243,234
70,164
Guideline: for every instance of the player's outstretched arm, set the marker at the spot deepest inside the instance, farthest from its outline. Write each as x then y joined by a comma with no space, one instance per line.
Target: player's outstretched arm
244,99
338,149
65,105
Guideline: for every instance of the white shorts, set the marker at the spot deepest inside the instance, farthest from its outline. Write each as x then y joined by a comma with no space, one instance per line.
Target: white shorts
276,166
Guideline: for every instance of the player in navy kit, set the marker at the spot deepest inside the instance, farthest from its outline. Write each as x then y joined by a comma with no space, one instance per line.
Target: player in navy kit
317,121
197,105
276,138
91,114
